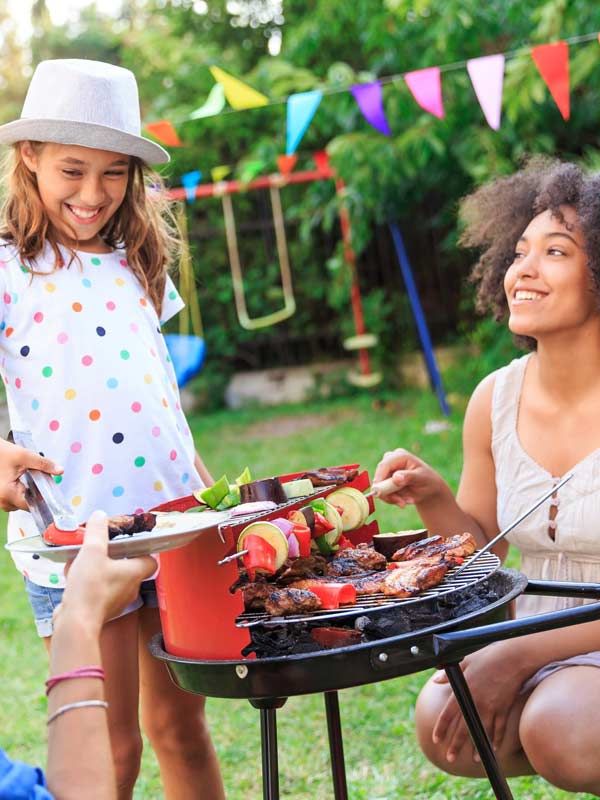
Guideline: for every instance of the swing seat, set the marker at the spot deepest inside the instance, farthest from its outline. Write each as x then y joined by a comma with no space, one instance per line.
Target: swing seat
187,353
367,381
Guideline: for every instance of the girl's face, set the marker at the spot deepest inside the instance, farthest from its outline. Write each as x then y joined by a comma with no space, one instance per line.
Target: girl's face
549,285
81,188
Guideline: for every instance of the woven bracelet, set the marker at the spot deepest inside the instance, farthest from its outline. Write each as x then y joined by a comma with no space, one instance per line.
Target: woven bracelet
72,706
80,672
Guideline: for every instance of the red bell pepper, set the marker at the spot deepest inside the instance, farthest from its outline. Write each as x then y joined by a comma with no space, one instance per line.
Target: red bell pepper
322,525
332,595
343,543
57,538
303,535
260,556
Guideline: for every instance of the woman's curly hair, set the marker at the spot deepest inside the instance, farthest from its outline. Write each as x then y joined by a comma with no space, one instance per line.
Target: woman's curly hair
496,215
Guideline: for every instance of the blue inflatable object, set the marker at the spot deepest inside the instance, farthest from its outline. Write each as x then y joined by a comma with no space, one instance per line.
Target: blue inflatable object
187,353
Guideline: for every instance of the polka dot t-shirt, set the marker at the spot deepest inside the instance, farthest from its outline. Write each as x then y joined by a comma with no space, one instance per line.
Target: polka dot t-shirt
87,371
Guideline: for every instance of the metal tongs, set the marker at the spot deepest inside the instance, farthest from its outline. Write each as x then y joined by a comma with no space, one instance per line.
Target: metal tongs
512,525
42,495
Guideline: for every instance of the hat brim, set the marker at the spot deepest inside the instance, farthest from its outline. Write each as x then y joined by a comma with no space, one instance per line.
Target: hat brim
84,134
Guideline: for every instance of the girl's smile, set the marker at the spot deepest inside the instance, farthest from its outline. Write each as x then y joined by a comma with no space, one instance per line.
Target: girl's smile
81,188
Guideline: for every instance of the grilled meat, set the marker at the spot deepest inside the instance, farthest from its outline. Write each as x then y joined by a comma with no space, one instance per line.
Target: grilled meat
128,524
298,568
332,476
357,559
255,595
367,583
413,577
459,546
284,602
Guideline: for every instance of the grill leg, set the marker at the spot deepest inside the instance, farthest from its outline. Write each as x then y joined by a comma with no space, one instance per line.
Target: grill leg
268,741
336,746
478,733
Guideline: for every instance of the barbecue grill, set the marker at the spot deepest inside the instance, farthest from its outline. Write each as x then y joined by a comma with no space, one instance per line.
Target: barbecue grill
211,646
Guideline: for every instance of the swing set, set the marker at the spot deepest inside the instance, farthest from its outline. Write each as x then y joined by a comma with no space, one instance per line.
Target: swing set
361,342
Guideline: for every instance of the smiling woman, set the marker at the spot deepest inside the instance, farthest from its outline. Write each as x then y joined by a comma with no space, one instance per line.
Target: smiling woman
526,425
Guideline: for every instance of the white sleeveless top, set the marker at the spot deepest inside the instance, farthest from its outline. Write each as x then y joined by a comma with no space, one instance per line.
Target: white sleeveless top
574,554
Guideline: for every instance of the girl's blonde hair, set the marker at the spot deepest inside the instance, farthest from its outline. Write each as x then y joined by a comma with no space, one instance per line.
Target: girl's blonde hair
144,223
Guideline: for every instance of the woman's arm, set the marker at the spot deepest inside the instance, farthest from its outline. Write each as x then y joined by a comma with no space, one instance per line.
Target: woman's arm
207,478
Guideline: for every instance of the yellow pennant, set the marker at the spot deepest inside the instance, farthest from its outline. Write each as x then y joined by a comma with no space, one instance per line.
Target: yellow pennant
239,95
218,173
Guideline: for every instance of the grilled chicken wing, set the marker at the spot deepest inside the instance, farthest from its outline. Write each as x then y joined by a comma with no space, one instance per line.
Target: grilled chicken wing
459,546
283,602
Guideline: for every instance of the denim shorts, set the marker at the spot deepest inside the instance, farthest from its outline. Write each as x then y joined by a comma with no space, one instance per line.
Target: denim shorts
44,599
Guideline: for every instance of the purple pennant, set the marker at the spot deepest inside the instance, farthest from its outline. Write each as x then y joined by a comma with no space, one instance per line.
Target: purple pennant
370,101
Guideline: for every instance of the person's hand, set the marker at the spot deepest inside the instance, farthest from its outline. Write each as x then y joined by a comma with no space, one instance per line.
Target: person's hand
99,587
416,480
14,461
495,682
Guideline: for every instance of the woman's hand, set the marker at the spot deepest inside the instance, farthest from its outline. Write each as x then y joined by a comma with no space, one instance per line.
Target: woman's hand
14,461
495,680
99,587
416,480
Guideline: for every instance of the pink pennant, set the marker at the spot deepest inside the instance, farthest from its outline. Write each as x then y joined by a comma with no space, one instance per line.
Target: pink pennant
426,87
487,77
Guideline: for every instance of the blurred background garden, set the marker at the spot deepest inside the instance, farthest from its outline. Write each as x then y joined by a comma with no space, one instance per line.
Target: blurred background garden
414,178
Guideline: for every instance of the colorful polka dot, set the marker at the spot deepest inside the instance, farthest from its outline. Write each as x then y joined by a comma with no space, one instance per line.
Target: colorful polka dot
47,372
172,295
62,338
15,297
112,383
124,354
57,478
87,283
147,378
110,305
25,351
50,287
97,469
118,491
136,407
7,298
139,461
100,331
70,394
87,361
164,402
38,317
77,307
156,431
96,261
157,486
185,477
123,262
54,425
173,455
9,331
35,404
143,301
53,578
18,383
75,447
94,415
118,438
2,326
120,281
76,501
133,327
23,268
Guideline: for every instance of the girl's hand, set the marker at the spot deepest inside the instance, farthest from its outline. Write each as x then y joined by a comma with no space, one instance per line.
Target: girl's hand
416,480
495,682
99,587
14,461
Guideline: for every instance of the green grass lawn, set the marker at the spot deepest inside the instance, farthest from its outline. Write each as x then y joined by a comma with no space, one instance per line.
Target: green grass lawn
382,757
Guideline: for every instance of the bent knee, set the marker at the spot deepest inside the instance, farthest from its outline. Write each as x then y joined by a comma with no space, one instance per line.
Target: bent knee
430,702
127,757
168,729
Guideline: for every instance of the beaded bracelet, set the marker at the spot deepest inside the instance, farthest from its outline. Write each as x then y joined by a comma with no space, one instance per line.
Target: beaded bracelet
72,706
79,672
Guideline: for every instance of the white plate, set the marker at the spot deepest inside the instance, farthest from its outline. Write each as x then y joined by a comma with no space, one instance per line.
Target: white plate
173,529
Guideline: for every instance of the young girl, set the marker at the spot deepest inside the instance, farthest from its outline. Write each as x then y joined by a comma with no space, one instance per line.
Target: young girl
84,289
527,424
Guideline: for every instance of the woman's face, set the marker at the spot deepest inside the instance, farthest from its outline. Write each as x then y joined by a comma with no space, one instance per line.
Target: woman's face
549,285
81,188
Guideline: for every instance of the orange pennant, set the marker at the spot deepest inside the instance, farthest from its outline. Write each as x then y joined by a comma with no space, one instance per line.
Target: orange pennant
164,131
552,61
286,164
321,159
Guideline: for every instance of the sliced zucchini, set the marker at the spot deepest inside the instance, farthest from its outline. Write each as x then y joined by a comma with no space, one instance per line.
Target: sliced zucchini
353,508
269,533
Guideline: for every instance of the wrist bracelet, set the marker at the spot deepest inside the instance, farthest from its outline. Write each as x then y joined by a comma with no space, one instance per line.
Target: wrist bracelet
72,706
79,672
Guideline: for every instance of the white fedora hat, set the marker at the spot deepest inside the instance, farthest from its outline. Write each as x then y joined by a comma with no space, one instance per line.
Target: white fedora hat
87,103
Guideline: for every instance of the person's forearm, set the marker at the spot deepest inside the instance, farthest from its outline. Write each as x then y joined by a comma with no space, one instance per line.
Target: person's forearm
441,514
80,762
207,478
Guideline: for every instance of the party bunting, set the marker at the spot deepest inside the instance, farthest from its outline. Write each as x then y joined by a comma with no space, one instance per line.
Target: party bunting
286,164
164,131
215,103
301,109
219,173
552,61
487,77
250,170
426,87
239,95
190,181
369,98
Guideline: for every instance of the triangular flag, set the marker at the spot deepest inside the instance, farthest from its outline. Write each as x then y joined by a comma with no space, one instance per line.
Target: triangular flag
285,164
321,159
487,77
370,101
218,173
426,87
250,170
164,132
190,182
215,103
552,61
239,95
301,109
